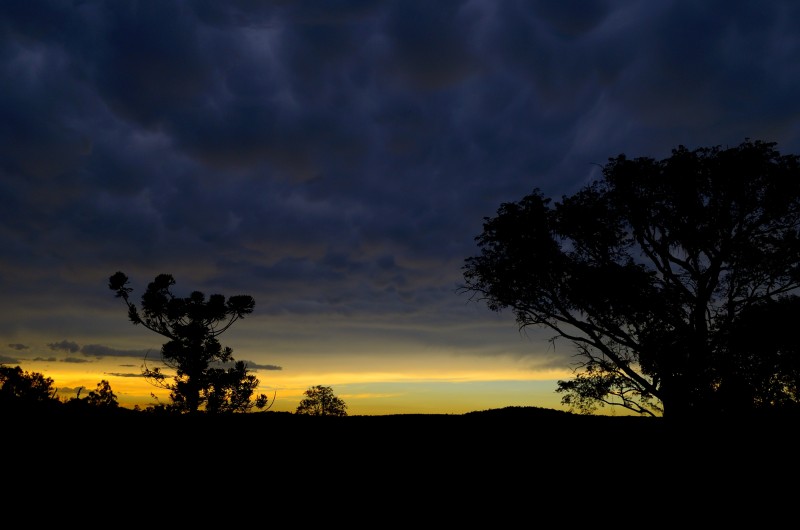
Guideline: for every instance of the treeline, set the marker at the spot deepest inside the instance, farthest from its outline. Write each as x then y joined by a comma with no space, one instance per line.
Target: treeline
32,391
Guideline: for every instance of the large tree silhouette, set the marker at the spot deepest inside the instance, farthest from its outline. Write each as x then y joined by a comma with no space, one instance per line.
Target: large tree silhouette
192,325
650,270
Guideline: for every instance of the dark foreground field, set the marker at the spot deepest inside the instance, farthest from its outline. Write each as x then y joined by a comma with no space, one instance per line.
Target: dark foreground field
494,468
524,433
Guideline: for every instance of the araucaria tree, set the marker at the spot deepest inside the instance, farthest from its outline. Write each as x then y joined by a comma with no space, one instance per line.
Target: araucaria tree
192,325
674,279
320,401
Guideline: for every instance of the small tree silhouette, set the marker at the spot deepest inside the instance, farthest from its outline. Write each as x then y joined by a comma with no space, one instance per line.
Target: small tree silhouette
102,396
320,401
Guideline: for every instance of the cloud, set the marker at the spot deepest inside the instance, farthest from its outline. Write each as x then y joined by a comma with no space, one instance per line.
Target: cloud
250,366
75,360
335,160
255,366
65,345
5,359
73,392
99,351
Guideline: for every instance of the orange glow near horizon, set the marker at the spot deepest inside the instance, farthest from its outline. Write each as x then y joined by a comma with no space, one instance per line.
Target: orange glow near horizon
426,391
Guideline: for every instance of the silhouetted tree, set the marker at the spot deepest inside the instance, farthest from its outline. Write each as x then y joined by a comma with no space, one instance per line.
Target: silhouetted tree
649,270
761,368
192,325
18,387
232,389
320,401
102,396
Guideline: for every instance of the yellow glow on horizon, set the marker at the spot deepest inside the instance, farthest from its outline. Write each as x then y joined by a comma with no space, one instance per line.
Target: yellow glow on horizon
289,391
341,378
370,385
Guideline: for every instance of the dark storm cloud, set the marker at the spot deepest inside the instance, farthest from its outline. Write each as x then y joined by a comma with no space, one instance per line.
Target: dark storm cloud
339,157
429,43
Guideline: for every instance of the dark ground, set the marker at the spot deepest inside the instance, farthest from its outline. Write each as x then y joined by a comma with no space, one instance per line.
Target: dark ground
500,465
496,433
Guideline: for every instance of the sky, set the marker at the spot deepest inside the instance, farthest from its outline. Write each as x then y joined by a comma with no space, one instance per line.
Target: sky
335,160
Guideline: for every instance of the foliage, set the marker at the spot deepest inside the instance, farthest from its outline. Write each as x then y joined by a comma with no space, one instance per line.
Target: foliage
653,272
192,325
22,390
102,397
762,369
22,387
320,401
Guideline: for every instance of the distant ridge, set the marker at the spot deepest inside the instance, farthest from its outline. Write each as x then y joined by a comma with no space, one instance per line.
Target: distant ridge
520,412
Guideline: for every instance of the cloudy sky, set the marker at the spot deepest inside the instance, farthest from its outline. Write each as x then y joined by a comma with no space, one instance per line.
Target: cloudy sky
335,161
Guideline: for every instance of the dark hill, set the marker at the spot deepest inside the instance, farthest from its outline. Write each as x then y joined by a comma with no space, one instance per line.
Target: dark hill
495,458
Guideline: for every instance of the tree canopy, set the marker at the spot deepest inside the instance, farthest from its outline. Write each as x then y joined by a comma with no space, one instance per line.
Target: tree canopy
32,391
192,325
102,397
676,280
321,401
19,387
